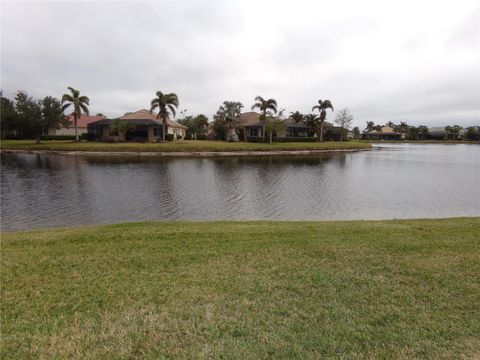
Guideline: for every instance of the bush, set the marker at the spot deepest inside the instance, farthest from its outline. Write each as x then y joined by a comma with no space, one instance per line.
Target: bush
296,139
57,137
87,136
202,137
169,137
179,137
255,139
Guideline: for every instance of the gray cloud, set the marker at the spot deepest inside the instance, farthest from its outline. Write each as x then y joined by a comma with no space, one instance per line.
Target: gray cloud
383,61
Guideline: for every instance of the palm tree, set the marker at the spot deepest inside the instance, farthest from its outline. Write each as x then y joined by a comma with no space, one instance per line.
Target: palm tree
370,126
296,116
80,103
229,113
313,122
166,104
264,106
391,124
322,108
378,129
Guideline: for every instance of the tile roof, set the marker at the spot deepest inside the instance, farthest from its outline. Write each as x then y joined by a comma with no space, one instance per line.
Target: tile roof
150,115
84,120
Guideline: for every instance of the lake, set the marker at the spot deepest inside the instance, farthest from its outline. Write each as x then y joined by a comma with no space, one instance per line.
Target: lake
395,181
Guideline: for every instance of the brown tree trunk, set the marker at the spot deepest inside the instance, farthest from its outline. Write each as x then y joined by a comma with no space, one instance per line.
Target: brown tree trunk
75,125
37,139
341,134
321,132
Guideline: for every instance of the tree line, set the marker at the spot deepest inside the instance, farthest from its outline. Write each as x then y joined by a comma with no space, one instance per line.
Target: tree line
422,132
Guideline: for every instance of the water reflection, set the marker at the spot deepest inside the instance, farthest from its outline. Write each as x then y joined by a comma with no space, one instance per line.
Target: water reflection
400,181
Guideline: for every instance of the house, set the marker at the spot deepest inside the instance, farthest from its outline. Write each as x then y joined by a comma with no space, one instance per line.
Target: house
82,125
144,127
387,133
252,129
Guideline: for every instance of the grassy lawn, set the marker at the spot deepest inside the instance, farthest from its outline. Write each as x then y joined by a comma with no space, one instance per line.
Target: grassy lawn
385,289
180,146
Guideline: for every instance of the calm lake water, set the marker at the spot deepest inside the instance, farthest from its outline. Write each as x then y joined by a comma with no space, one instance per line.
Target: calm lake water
397,181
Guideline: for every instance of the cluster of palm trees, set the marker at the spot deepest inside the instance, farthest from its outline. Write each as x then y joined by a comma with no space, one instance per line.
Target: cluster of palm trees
230,111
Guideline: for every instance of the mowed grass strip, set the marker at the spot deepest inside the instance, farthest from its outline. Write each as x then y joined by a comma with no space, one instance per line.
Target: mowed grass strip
179,146
367,289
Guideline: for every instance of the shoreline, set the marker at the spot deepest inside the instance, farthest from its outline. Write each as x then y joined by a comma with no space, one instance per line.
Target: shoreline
183,153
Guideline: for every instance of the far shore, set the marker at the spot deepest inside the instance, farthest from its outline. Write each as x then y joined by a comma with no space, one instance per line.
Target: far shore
184,153
188,148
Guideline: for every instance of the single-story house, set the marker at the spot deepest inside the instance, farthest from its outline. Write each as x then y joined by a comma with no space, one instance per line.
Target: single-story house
145,127
387,133
82,125
252,129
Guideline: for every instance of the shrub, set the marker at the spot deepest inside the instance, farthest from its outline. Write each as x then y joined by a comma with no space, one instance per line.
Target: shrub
87,136
179,137
58,137
296,139
169,137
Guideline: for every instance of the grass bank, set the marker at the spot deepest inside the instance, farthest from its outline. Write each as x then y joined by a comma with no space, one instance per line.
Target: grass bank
178,146
383,289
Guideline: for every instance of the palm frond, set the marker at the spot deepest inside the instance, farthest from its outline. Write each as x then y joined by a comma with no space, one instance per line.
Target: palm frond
67,97
65,106
84,99
84,108
172,109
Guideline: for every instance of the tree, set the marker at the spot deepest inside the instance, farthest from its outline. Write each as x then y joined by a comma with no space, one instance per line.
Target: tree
356,133
264,106
166,104
413,133
452,132
344,119
196,126
8,117
275,125
402,128
80,103
119,127
29,115
472,133
313,122
370,126
52,114
391,124
378,129
322,108
296,116
423,132
229,114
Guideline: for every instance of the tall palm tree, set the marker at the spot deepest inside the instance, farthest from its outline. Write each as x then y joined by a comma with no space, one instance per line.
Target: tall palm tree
322,108
166,104
296,116
229,113
264,106
370,126
378,129
80,103
313,122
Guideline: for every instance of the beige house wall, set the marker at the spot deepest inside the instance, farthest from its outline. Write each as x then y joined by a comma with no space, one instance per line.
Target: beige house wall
69,131
176,131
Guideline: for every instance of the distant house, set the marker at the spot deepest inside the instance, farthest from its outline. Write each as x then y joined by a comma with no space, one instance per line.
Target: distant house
82,125
252,129
387,133
144,127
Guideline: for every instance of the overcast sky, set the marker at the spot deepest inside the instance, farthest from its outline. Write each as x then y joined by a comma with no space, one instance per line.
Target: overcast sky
413,61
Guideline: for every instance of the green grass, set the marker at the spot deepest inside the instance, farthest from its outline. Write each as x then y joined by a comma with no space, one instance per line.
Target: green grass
177,146
373,289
